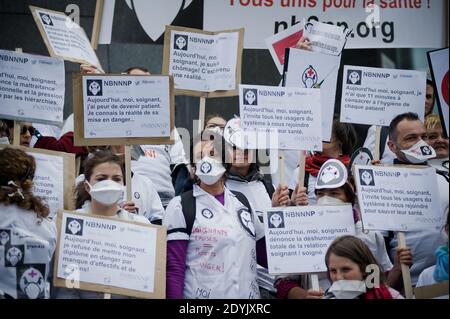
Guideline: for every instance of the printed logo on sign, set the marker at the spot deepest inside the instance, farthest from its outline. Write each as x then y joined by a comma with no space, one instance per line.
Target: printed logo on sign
137,195
366,177
4,236
354,77
245,217
95,87
276,220
207,213
181,42
309,77
205,168
31,282
46,19
14,256
250,97
425,150
74,226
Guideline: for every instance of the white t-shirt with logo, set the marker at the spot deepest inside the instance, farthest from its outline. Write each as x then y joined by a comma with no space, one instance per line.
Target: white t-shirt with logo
221,257
27,244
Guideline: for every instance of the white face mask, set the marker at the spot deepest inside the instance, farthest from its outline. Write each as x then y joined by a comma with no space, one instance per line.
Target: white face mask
4,140
106,192
347,289
329,201
419,153
209,170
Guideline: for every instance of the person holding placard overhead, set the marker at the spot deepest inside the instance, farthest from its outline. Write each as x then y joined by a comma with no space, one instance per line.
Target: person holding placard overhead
407,136
343,140
99,194
348,259
214,237
438,141
243,176
27,236
333,187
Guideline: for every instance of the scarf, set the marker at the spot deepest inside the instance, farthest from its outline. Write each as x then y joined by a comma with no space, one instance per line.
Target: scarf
314,163
378,293
441,271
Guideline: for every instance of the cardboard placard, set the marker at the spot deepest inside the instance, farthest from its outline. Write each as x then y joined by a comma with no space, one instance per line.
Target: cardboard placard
123,109
208,63
293,114
432,291
306,69
31,88
110,255
64,38
374,96
396,198
54,179
438,62
297,238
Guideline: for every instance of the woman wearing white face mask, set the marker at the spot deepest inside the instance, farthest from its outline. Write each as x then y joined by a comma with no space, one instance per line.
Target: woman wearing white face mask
100,194
334,188
214,238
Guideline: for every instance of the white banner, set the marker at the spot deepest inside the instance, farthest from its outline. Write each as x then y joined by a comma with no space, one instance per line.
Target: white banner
398,198
126,106
31,88
294,113
374,96
438,61
307,69
107,252
375,24
297,238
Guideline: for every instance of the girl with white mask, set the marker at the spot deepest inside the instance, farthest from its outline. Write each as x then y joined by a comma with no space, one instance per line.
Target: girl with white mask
100,194
214,237
27,236
333,188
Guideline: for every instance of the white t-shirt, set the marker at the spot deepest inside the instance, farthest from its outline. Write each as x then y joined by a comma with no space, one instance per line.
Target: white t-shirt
221,255
426,278
387,157
155,164
27,244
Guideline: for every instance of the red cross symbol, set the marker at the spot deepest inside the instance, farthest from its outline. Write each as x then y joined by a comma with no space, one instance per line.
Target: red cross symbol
310,72
32,273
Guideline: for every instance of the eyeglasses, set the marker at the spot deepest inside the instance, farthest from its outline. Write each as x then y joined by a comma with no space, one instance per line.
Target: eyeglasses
30,129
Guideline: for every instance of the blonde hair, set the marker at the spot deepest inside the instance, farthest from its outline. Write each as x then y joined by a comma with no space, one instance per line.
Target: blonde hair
432,121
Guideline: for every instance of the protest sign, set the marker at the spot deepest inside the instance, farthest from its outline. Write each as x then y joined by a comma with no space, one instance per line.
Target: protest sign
297,238
307,69
123,109
107,254
374,96
438,61
64,38
293,113
54,178
325,38
398,198
203,63
31,88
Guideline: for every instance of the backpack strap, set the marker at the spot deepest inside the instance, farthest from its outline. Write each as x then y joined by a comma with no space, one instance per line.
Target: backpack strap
189,207
383,138
269,188
244,201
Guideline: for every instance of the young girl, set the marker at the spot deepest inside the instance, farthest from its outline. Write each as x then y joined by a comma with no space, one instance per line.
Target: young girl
27,237
347,258
214,237
99,194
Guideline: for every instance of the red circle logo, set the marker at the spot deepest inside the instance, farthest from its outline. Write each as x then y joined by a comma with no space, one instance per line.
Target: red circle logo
444,88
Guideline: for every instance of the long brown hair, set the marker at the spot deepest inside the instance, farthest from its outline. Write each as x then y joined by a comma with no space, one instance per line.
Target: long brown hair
356,250
17,170
89,165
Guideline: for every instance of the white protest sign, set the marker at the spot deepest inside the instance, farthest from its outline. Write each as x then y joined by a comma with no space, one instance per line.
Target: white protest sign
374,96
398,198
279,42
307,69
64,38
324,37
31,88
121,107
293,112
438,61
48,181
109,254
203,61
297,238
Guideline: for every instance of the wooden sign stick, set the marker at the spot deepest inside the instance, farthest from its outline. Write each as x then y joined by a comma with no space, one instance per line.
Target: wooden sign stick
406,273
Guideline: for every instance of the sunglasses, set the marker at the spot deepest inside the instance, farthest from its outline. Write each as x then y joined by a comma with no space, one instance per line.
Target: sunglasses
30,129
